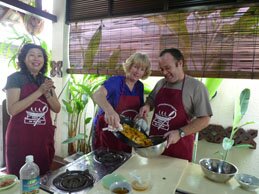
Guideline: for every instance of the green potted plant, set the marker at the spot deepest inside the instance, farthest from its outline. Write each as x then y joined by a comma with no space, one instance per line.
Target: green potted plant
241,105
80,94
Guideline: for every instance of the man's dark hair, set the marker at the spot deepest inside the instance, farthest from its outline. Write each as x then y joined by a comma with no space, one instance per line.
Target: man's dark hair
174,52
24,51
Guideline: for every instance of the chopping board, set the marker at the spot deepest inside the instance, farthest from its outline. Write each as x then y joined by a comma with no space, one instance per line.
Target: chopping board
165,173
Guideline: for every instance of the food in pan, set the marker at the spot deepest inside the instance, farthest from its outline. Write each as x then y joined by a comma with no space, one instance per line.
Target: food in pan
136,136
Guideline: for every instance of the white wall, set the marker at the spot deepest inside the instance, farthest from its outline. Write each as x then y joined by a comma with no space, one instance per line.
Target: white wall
60,53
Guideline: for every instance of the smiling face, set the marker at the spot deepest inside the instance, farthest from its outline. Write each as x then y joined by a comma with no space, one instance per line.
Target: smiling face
136,72
171,68
137,66
34,60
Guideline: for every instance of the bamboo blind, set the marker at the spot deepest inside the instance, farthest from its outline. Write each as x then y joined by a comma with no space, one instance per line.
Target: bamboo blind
216,43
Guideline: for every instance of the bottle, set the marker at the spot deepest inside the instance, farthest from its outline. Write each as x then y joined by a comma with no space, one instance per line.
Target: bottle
30,176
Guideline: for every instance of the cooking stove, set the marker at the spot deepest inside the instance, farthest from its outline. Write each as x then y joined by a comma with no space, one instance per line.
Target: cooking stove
80,175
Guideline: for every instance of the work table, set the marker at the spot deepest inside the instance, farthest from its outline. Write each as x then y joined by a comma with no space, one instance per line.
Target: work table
171,174
193,181
165,173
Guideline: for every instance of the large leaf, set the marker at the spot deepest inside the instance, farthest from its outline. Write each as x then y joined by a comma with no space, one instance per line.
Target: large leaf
243,146
86,88
79,136
248,22
68,106
79,105
212,85
87,120
147,88
92,48
241,106
244,100
114,58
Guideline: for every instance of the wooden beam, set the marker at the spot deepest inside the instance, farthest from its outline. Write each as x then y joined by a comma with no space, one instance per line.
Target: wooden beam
25,8
217,74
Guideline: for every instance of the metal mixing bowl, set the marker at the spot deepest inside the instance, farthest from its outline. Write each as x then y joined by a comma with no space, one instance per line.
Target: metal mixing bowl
247,182
217,170
158,147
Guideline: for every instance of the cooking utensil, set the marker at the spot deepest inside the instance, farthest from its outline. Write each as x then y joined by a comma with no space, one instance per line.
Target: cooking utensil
111,178
118,134
158,147
247,182
135,176
141,123
120,187
141,180
218,170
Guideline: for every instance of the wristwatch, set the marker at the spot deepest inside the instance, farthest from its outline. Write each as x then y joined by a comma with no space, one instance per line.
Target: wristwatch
181,132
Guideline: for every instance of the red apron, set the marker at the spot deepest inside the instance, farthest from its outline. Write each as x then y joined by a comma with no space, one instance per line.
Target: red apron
169,114
127,106
30,133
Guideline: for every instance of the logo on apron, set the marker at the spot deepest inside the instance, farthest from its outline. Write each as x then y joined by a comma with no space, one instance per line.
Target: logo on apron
165,112
130,113
36,115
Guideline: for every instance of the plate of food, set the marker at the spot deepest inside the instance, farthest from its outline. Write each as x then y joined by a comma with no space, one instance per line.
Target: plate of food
7,181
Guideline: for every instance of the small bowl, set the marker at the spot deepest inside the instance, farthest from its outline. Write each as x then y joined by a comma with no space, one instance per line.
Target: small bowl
121,187
7,181
218,170
140,180
247,182
158,147
107,180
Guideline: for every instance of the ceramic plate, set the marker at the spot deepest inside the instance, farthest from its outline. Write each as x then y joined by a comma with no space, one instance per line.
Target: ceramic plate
111,178
7,181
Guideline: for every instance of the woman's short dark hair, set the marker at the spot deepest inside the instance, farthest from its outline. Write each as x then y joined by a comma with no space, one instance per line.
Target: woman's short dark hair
176,53
24,51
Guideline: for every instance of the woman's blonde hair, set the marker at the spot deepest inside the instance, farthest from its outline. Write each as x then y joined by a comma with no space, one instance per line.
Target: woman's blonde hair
140,60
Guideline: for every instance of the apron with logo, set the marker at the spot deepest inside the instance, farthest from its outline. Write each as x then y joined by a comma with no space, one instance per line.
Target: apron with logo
128,106
30,133
169,114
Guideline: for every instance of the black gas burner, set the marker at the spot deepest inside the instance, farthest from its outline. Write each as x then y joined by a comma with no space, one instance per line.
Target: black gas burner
109,157
74,180
92,167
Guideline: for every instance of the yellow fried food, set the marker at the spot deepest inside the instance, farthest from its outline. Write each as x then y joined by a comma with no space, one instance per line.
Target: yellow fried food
136,136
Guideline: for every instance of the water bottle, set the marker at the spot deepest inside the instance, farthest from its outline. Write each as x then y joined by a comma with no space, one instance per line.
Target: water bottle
30,176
